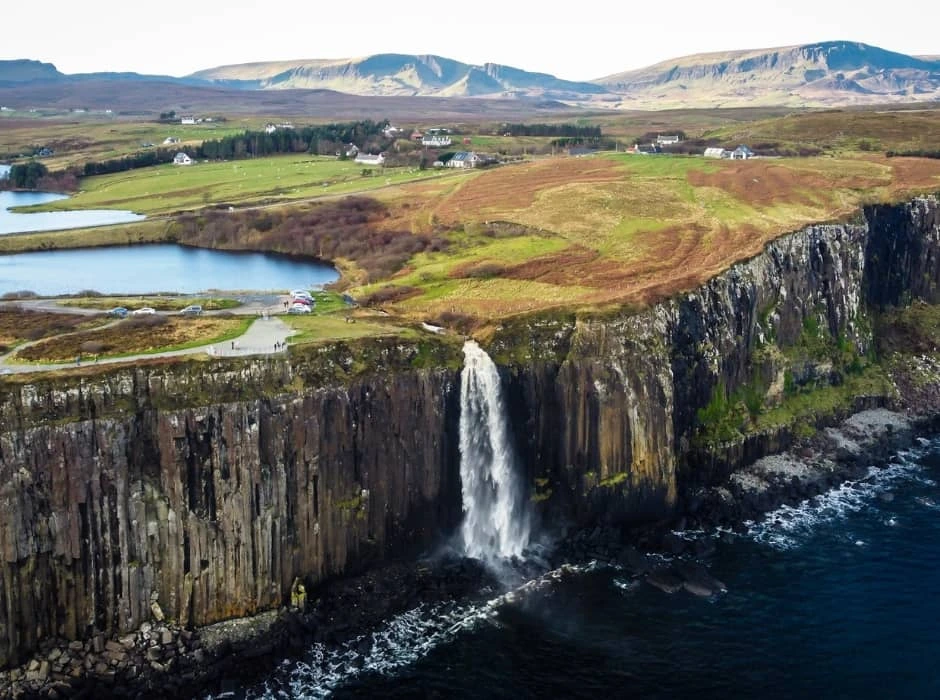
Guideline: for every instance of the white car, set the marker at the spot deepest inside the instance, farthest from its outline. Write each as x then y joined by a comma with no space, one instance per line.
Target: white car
298,309
144,311
301,294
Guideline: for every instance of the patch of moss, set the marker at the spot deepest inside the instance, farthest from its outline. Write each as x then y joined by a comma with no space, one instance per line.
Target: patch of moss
613,480
349,504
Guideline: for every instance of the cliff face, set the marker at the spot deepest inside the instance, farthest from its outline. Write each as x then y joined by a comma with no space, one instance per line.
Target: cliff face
211,511
209,487
607,408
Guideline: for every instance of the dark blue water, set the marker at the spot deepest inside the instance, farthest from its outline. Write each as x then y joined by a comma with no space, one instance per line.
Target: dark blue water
837,599
15,222
156,268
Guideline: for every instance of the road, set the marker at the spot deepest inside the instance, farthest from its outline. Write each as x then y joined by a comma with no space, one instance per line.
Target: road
266,336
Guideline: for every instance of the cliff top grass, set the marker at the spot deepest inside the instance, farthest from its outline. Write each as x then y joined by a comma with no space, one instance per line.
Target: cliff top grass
599,232
617,229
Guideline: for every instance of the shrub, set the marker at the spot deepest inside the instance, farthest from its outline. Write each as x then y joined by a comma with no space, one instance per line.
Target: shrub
146,321
389,295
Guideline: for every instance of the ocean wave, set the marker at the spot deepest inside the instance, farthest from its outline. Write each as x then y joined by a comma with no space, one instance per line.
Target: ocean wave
790,526
399,642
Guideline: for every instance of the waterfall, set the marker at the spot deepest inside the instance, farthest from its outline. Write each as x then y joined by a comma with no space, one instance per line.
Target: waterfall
496,518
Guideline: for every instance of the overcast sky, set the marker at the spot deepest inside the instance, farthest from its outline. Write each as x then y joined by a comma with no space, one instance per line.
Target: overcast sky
573,40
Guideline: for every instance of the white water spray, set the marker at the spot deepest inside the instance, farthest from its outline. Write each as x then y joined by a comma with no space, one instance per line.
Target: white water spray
496,517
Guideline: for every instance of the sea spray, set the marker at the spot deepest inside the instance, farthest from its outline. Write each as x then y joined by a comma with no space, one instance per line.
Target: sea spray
496,517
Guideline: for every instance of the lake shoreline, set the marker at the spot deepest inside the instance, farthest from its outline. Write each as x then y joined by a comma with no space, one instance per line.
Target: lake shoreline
13,221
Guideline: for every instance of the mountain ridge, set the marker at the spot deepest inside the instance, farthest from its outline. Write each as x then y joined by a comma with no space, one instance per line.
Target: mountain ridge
395,74
823,74
832,73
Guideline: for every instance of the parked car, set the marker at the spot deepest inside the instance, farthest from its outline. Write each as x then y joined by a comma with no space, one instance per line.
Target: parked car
192,310
118,312
298,309
143,311
301,300
303,293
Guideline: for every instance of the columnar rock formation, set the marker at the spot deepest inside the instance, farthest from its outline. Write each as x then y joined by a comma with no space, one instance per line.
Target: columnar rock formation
202,491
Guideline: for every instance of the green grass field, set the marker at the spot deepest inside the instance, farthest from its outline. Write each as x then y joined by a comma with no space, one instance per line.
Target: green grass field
169,188
315,328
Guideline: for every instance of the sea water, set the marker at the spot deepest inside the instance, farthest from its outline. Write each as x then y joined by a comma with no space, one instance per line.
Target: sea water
836,598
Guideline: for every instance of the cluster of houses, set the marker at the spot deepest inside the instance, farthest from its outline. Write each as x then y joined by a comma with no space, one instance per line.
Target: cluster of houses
192,119
661,140
740,153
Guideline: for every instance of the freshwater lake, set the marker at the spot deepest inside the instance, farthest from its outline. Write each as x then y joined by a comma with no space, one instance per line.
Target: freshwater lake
11,222
144,269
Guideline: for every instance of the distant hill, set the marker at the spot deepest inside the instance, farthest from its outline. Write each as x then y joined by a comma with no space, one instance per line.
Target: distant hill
399,75
835,73
828,74
24,70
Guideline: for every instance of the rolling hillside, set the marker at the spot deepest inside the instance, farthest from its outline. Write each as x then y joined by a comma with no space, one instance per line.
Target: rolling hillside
837,73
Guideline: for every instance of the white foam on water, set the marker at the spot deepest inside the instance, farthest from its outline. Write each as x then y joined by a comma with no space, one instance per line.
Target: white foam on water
399,642
790,526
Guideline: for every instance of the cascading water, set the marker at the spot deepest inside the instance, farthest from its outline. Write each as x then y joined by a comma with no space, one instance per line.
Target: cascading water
496,518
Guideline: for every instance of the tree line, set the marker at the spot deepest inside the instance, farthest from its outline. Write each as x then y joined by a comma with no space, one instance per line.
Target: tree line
566,130
325,139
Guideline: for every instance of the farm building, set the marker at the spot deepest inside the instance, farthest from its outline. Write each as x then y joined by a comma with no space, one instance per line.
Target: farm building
182,159
646,150
667,139
742,153
717,153
187,119
369,159
465,159
416,136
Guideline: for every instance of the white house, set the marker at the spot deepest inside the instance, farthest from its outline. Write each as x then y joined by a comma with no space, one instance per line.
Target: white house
667,139
188,119
717,153
742,153
465,159
269,128
436,140
368,159
391,132
351,150
182,159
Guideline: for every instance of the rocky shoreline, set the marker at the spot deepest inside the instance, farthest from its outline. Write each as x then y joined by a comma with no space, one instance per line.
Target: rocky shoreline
162,659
